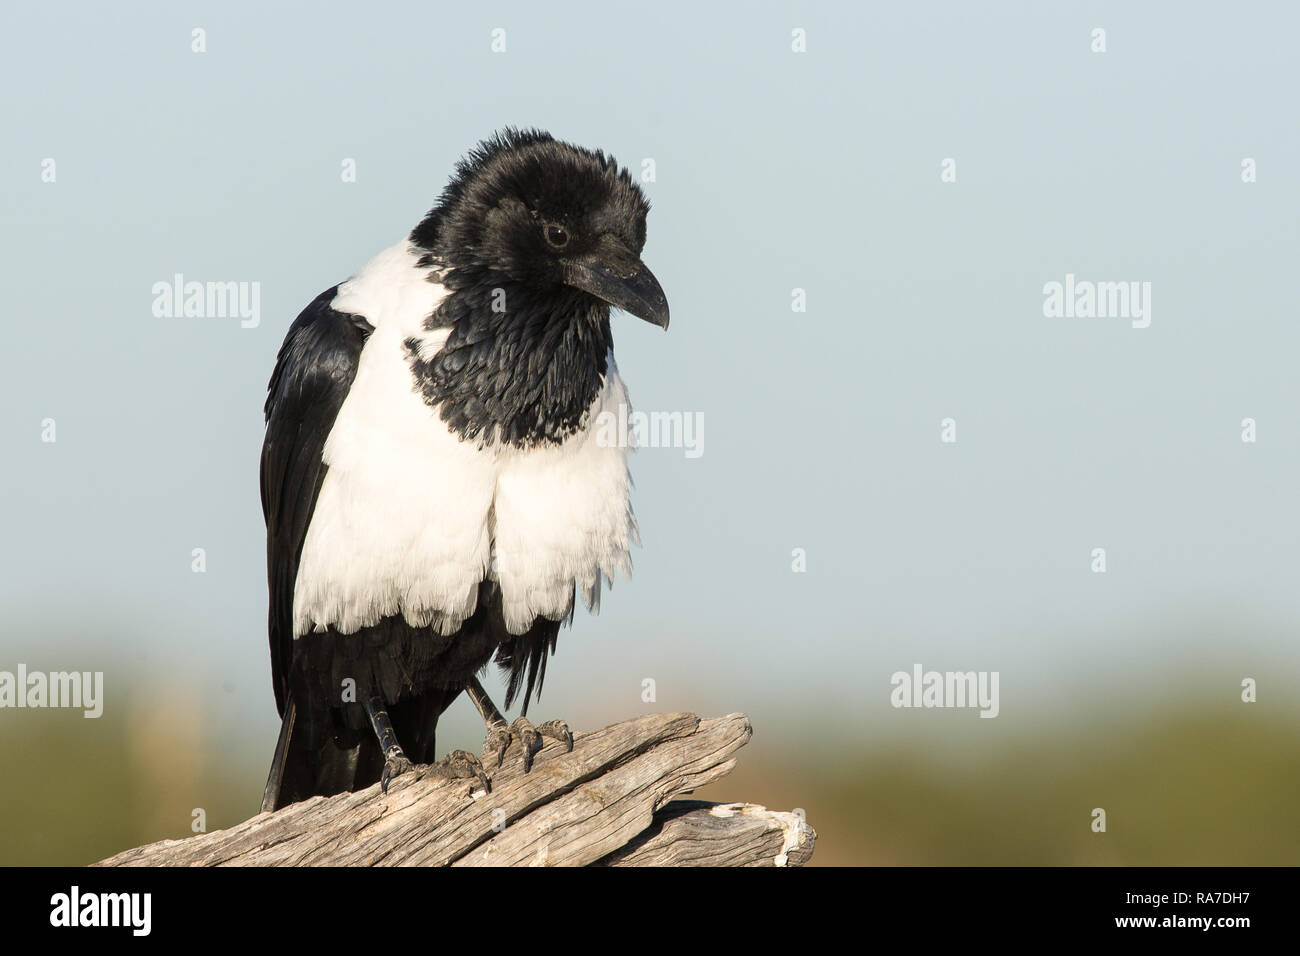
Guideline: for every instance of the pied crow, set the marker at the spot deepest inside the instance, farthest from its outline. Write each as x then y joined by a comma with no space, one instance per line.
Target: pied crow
432,480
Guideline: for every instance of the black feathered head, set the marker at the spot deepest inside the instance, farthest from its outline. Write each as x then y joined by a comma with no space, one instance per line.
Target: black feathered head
533,241
524,209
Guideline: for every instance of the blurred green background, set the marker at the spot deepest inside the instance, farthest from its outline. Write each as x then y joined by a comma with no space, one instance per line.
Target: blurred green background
1186,772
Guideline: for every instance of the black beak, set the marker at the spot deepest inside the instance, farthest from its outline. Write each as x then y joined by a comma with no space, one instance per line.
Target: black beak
614,274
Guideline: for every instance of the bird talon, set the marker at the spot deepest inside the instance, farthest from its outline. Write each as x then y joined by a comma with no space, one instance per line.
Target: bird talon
557,730
461,765
498,742
394,766
529,738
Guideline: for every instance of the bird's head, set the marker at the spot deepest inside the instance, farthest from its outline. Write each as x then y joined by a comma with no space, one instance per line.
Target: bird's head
525,212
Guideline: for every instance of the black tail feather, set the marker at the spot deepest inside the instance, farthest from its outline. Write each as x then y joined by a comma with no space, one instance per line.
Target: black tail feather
311,759
525,658
319,754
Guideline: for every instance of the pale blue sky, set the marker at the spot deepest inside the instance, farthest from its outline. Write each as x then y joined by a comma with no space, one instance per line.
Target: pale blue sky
775,170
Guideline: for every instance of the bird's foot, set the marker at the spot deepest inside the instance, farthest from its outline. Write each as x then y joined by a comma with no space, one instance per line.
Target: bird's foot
459,765
500,737
395,765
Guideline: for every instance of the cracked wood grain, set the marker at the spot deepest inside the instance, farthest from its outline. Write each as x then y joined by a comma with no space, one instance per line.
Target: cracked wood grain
603,803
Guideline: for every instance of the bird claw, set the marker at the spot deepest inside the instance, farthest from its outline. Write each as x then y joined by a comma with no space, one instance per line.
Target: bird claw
557,730
500,738
529,738
460,765
497,742
394,766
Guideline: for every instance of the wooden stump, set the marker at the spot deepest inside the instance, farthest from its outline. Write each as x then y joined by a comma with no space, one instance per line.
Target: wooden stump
608,803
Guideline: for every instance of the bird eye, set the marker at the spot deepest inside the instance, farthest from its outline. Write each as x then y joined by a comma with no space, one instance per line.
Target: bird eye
557,236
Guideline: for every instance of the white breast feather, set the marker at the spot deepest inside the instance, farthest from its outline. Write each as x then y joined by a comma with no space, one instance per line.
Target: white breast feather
409,516
563,517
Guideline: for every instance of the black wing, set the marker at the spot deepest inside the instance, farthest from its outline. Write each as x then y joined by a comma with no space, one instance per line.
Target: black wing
313,373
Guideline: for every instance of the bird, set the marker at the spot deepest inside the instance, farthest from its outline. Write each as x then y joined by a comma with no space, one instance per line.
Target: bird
434,481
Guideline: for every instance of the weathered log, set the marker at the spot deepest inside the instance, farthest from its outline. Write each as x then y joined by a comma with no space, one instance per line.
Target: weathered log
607,803
698,833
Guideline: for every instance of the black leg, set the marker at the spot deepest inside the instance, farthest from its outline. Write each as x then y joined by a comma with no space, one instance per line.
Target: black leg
456,765
500,734
497,740
395,762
